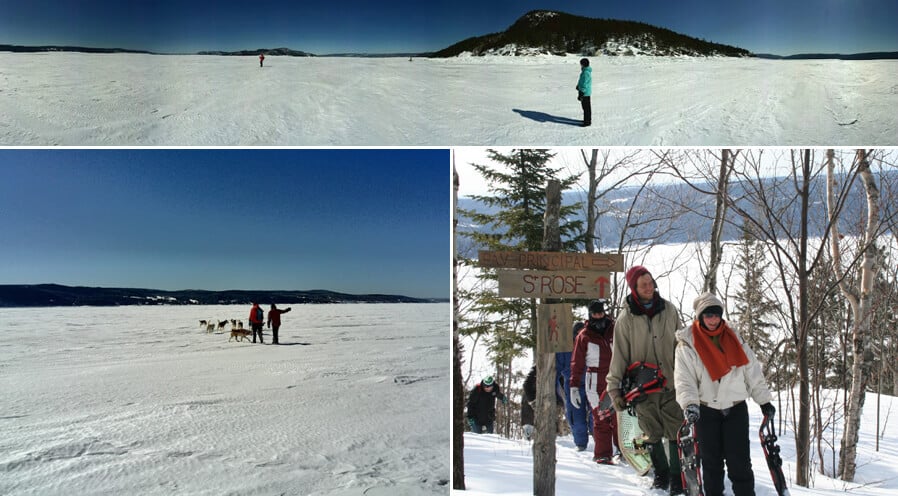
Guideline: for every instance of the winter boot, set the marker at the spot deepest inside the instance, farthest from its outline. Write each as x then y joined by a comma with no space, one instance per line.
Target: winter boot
659,461
676,481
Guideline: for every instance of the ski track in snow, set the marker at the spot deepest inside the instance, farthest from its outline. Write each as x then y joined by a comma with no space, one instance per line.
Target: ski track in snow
139,400
129,99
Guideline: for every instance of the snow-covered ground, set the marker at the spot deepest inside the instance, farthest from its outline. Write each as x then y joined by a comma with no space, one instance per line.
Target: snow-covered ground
139,400
132,99
498,466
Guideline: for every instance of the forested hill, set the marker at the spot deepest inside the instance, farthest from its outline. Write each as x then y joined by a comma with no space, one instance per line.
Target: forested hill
551,32
46,295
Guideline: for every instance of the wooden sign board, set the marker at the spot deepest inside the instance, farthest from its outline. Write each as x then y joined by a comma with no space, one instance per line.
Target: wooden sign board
545,260
563,284
555,333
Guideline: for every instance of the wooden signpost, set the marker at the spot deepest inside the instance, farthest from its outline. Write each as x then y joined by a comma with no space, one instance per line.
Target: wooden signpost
548,260
553,284
554,326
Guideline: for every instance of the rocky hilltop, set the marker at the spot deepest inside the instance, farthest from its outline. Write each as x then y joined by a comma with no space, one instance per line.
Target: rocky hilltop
552,32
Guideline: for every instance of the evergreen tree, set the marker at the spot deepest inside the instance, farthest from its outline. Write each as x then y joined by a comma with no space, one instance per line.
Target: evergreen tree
511,221
754,308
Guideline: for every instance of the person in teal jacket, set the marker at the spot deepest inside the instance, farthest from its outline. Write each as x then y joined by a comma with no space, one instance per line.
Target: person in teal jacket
584,91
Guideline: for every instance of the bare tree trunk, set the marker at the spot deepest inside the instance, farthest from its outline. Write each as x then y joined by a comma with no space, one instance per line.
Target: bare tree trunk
458,387
544,439
861,305
719,221
803,435
591,201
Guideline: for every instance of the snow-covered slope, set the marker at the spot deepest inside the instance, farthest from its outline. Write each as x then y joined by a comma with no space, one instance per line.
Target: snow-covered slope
127,99
139,400
498,466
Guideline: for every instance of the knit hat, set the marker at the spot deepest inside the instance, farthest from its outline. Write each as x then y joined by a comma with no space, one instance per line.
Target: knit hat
635,273
707,303
584,62
596,306
488,381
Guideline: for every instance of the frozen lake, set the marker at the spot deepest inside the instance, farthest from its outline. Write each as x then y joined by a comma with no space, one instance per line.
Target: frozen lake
129,99
139,400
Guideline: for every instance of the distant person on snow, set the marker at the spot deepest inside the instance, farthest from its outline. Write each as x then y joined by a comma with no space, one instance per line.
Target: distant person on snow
274,317
256,321
584,91
261,59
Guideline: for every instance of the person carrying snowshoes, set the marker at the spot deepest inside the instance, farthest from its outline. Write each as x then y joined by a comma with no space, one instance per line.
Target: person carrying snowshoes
584,91
644,340
715,373
589,364
482,405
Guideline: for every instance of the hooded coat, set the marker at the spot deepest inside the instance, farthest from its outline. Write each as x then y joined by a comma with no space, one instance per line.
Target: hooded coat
693,382
584,84
591,359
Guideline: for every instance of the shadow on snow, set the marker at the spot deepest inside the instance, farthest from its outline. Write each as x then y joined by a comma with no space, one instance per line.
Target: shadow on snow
544,117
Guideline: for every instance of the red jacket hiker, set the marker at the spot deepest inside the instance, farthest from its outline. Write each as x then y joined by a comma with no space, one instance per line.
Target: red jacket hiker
261,59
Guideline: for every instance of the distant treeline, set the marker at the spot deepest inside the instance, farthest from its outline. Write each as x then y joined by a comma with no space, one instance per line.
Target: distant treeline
49,295
65,48
837,56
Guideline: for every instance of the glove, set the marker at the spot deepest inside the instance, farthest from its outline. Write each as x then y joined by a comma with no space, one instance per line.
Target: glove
528,431
692,413
768,410
575,397
620,403
504,400
471,423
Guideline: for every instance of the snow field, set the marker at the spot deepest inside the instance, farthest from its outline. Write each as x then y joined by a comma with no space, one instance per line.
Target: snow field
80,99
140,400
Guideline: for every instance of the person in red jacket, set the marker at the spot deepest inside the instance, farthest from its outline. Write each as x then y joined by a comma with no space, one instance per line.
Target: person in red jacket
256,321
261,59
274,317
589,363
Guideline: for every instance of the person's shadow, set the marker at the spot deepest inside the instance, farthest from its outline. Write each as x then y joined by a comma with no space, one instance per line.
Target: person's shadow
544,117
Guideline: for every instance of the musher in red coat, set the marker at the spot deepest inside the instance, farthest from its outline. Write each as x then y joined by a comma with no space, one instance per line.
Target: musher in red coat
256,321
274,319
589,365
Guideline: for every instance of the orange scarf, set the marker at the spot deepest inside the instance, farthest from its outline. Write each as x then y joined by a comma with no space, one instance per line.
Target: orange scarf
718,360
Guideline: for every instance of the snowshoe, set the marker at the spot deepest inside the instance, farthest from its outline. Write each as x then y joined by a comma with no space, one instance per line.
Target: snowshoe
772,455
690,461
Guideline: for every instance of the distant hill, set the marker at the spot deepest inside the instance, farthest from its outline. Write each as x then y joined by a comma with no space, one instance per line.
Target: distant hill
836,56
552,32
65,48
49,295
266,51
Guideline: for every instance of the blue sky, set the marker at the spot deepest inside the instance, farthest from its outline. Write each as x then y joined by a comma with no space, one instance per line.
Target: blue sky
355,221
762,26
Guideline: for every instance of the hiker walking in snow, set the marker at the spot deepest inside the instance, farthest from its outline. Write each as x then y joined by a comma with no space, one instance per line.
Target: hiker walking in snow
715,372
261,59
527,399
589,367
645,338
256,321
575,410
482,405
274,318
584,91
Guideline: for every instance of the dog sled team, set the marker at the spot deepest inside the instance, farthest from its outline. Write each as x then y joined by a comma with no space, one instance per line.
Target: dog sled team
256,322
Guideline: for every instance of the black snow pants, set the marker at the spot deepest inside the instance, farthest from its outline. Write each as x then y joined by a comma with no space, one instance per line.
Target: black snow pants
587,110
274,334
257,329
723,435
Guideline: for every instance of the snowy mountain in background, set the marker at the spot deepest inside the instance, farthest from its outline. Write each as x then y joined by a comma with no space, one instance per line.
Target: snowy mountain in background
550,32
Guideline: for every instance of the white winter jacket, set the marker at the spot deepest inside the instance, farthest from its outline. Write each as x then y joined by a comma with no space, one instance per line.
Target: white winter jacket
694,384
